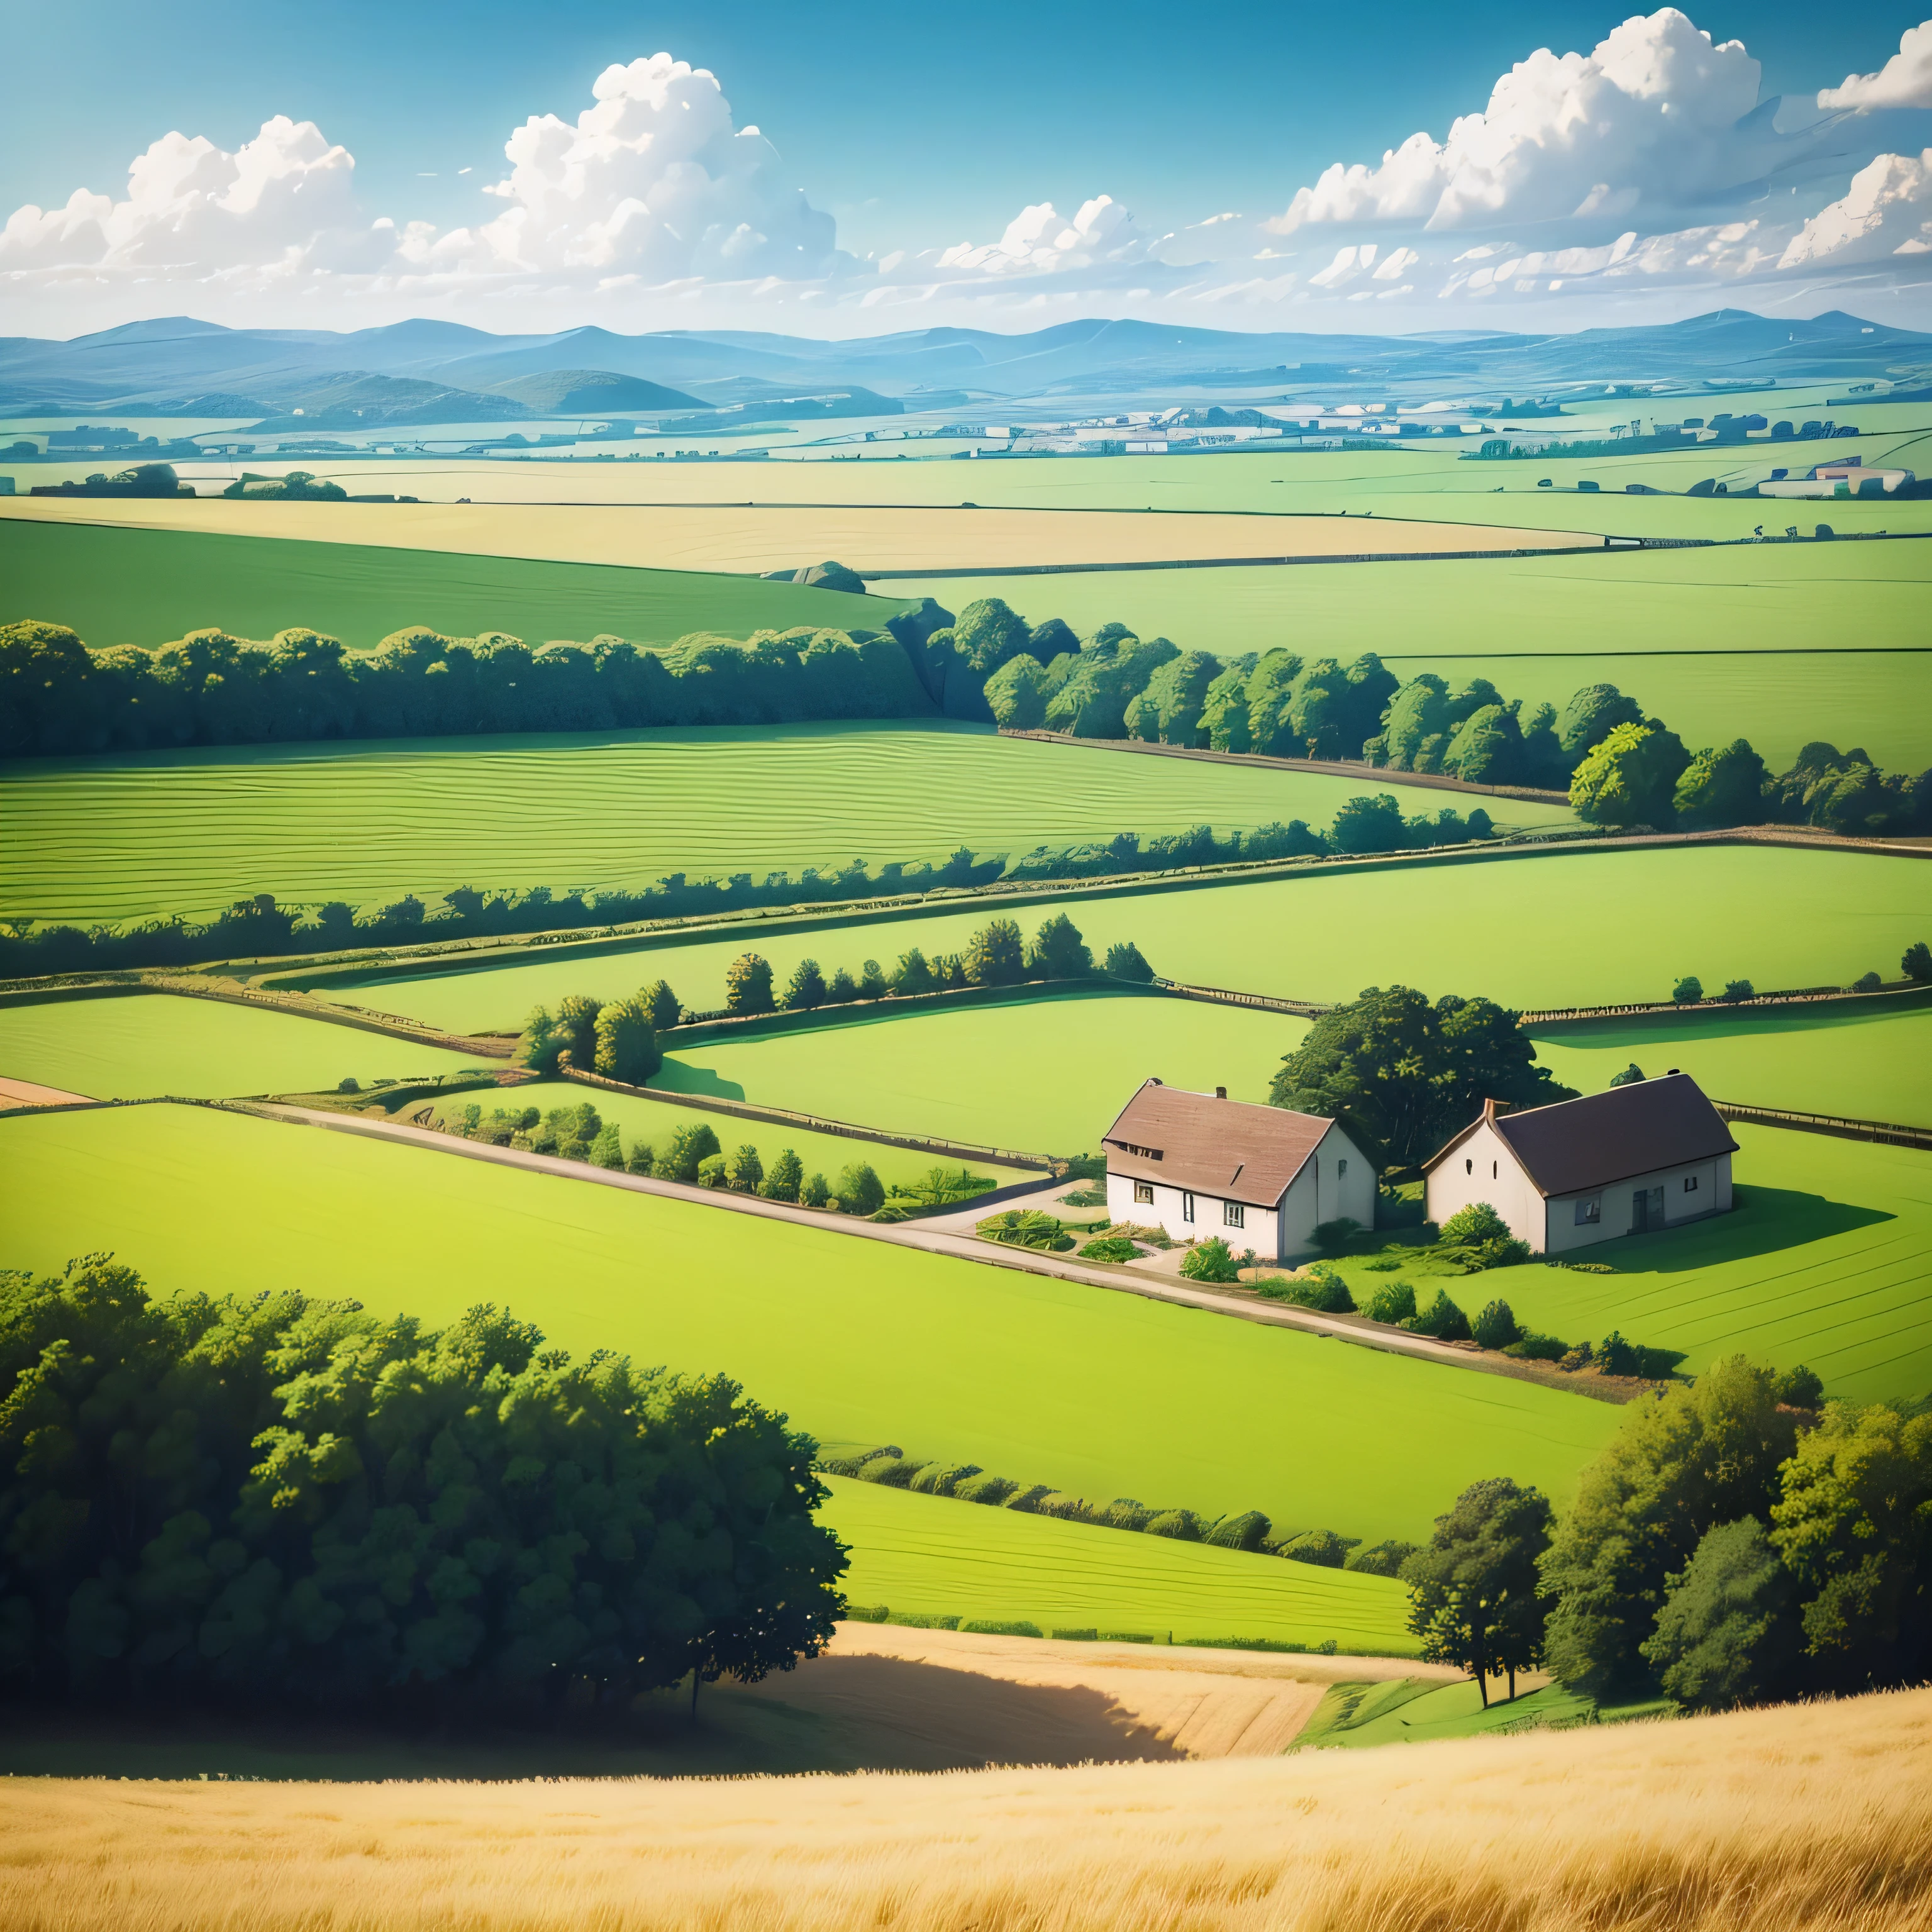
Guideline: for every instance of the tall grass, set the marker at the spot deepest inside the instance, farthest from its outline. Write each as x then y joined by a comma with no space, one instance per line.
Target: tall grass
1806,1817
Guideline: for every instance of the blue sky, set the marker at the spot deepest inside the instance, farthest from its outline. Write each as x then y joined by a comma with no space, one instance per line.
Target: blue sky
913,129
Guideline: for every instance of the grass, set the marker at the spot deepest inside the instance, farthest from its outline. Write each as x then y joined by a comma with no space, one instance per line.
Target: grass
1413,1712
128,838
1641,622
654,1122
1814,1816
1095,1392
1046,1076
1827,1261
147,586
930,1554
134,1048
1578,929
1869,1065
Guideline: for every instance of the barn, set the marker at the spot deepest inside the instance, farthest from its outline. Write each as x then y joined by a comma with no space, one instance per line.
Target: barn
1651,1155
1201,1165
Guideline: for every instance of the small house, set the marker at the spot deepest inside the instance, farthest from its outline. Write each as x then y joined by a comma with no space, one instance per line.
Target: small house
1201,1165
1651,1155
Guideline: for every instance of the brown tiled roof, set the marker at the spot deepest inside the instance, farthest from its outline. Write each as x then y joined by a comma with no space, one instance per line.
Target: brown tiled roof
1578,1145
1229,1149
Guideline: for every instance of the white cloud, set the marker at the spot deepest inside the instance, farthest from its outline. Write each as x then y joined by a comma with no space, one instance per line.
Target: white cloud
1039,240
1655,117
1904,81
1887,210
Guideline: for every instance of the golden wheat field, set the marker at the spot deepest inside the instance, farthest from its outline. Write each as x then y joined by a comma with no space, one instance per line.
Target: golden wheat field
1803,1817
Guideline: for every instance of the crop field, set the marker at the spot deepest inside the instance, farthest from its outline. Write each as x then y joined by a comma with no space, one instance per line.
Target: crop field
1827,1260
116,585
653,1122
1870,1066
1047,1076
934,1556
1049,1380
1635,617
1608,927
151,1044
128,838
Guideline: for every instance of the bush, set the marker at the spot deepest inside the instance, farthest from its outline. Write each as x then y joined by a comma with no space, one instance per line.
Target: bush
1917,964
786,1178
942,1479
747,984
746,1170
1393,1301
714,1170
1478,1222
350,1085
1326,1293
689,1148
1123,961
993,1626
995,1491
1800,1387
1632,1075
1495,1326
1532,1347
891,1472
1380,1559
921,1620
1123,1513
1115,1248
1616,1357
1184,1526
1571,1360
1247,1530
859,1191
1075,1635
1442,1319
1737,990
607,1149
1323,1547
1211,1261
1687,991
866,1613
1867,982
816,1194
1021,1227
1333,1237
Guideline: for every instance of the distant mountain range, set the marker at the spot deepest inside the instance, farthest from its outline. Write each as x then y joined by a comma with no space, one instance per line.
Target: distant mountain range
423,371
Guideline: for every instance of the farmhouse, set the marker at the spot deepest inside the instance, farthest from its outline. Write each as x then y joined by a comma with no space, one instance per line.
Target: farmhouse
1637,1158
1201,1165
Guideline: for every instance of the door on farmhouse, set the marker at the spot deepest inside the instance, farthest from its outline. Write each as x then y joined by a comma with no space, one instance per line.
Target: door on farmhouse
1646,1209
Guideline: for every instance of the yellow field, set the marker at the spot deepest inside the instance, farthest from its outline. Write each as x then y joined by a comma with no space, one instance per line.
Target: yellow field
746,536
1805,1816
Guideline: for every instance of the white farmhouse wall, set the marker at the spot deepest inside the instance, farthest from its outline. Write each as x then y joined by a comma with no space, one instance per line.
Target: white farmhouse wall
1708,1193
1336,1181
1169,1211
1484,1169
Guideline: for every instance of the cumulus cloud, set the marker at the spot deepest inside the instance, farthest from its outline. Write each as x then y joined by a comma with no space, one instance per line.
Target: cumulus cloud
1657,116
1887,210
1904,81
1039,240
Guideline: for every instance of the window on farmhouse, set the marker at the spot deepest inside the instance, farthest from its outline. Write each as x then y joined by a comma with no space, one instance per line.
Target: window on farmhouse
1495,1170
1233,1214
1468,1167
1187,1206
1690,1183
1590,1212
1341,1170
1143,1194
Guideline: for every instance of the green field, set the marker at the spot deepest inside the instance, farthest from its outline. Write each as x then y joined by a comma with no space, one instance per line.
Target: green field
654,1122
119,586
130,837
1827,1260
1868,1066
1045,1075
1559,930
1851,616
1102,1393
932,1555
137,1048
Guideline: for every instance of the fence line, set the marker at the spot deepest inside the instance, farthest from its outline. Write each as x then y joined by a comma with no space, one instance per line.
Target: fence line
785,1117
1890,1132
1221,996
1796,996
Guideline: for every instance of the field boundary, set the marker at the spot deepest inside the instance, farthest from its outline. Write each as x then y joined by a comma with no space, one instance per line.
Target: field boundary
1603,545
1890,1133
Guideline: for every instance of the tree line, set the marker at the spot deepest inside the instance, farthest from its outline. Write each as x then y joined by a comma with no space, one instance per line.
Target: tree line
1728,1547
277,1501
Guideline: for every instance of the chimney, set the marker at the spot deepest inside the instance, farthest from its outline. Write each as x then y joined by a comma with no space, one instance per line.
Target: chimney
1493,1109
1220,1092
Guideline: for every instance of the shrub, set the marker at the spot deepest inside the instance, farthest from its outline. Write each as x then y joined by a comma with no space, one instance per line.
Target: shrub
1687,991
1076,1636
786,1176
1212,1260
1321,1546
942,1479
994,1490
1326,1293
1571,1360
1123,961
1478,1222
1532,1347
1737,990
351,1085
1027,1497
747,984
1059,952
921,1620
1616,1357
866,1613
607,1149
1021,1227
1184,1526
1867,982
816,1194
1248,1530
1495,1326
1441,1319
1917,963
1115,1248
1123,1513
1393,1301
993,1626
891,1472
1380,1559
1800,1387
1332,1236
689,1148
1632,1075
859,1191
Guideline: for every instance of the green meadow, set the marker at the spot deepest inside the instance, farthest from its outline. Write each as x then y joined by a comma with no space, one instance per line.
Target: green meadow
931,1555
653,1122
1098,1392
1826,1260
1555,930
138,1047
1043,1075
142,587
130,837
1868,1066
1850,616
